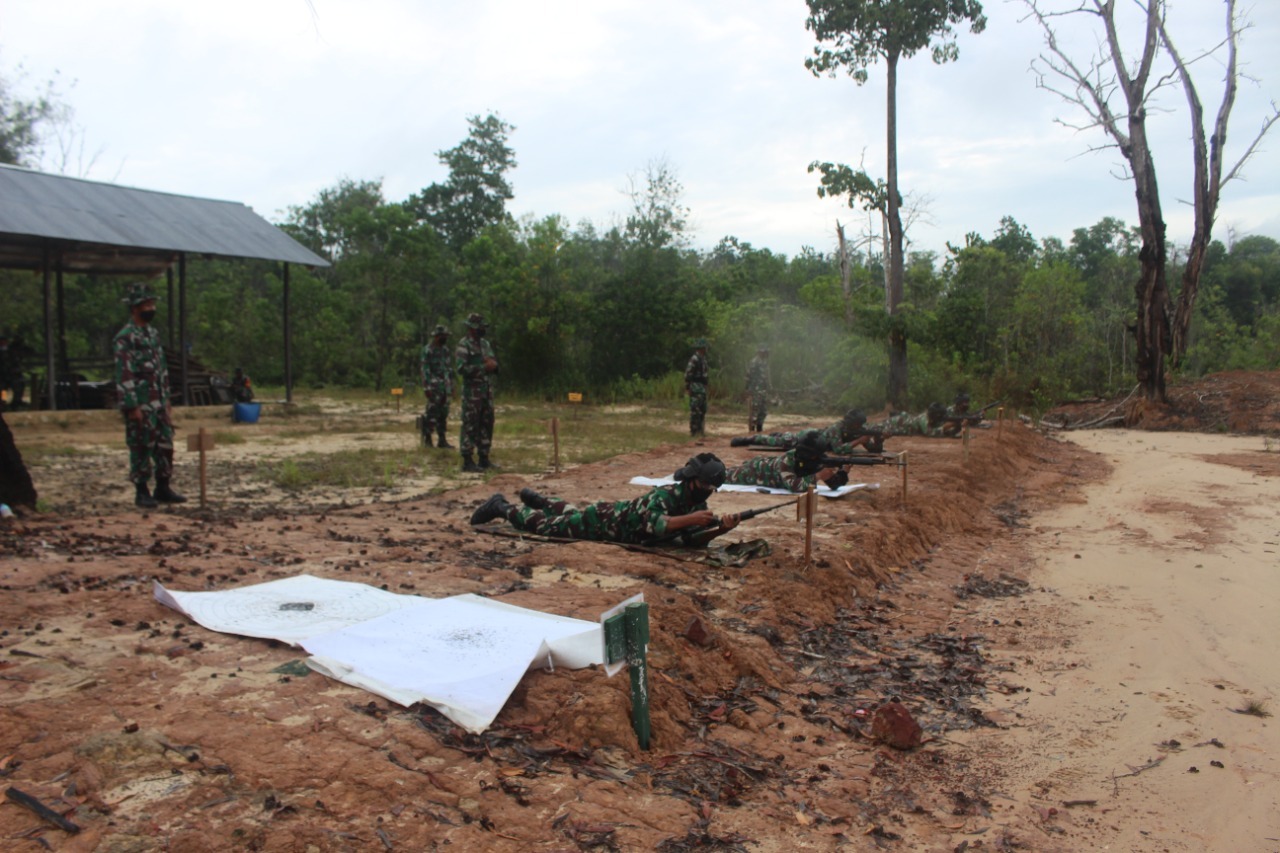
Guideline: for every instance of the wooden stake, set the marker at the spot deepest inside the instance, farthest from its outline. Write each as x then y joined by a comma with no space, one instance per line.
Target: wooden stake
555,440
805,506
202,442
902,463
999,422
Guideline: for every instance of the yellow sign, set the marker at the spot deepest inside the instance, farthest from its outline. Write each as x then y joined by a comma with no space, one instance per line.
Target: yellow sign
397,392
575,397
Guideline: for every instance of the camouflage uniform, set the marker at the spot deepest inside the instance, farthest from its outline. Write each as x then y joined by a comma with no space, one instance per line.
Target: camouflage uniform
142,382
905,423
758,388
633,522
437,384
831,435
774,472
695,382
477,393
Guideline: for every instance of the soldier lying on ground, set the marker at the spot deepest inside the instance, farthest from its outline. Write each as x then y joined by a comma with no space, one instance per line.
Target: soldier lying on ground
841,437
932,423
676,513
796,470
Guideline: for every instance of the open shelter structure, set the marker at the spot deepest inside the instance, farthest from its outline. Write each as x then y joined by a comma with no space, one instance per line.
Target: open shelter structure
54,224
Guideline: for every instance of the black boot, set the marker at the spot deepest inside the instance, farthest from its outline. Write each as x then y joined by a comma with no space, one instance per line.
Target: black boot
495,507
143,497
443,443
740,441
485,464
532,499
166,495
469,465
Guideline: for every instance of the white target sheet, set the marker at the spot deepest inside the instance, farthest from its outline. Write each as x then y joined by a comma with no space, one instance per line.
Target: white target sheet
822,490
464,655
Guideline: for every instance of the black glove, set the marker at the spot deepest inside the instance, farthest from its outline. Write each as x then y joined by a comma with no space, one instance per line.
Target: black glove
837,479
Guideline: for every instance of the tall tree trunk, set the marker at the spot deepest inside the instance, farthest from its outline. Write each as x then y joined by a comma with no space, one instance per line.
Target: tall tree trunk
894,291
1152,329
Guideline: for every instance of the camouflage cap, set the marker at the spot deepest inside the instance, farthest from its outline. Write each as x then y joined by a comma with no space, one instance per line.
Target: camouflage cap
762,348
700,343
962,397
936,411
853,418
476,321
137,293
439,330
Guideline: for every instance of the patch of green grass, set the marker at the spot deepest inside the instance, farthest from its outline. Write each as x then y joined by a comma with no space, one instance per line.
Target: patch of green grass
41,455
223,438
350,469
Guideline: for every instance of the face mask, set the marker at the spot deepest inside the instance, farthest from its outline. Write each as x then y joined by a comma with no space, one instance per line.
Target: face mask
147,316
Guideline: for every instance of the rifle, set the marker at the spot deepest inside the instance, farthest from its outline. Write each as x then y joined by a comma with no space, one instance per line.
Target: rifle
694,533
972,417
842,461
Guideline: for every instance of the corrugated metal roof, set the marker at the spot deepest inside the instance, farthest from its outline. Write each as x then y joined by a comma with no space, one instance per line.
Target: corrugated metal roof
88,216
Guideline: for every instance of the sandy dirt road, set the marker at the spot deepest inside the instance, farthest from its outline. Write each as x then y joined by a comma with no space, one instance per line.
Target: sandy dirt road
1158,620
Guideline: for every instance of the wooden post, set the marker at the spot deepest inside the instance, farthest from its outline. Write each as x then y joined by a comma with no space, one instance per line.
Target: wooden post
201,441
636,625
555,443
999,422
902,463
805,506
397,393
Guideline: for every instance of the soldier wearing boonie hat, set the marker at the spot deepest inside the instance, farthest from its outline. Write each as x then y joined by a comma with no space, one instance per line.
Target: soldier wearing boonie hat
437,384
142,383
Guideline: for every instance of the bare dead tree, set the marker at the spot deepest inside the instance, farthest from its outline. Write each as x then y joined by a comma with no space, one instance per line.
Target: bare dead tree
1207,157
1091,87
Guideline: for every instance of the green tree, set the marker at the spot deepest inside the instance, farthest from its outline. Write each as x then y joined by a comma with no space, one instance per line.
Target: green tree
23,121
475,194
860,33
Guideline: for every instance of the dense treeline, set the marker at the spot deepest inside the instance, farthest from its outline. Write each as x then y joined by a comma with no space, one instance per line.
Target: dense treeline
612,311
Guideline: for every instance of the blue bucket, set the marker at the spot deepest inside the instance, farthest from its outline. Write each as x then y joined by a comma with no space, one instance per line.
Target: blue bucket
245,413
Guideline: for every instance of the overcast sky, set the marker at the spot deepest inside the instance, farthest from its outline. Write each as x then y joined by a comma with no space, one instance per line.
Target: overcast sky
270,101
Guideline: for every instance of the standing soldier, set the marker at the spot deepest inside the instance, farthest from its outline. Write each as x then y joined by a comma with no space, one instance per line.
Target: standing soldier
758,389
437,383
695,384
142,382
478,367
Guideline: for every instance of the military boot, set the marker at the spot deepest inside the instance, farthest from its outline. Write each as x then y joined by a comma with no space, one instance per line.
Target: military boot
532,499
143,497
469,465
739,441
443,442
166,495
485,464
495,507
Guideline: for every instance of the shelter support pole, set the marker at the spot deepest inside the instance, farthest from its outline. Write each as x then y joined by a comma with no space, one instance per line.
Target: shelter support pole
168,277
51,373
288,341
182,327
63,365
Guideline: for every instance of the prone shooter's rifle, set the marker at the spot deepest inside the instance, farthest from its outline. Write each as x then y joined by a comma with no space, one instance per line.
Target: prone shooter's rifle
694,535
972,417
842,461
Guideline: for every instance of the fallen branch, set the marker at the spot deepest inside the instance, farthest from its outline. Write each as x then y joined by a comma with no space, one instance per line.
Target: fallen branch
27,801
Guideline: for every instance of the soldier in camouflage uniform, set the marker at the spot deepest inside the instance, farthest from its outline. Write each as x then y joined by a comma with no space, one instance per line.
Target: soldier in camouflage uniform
796,470
929,423
142,383
960,406
676,514
843,437
478,367
758,389
437,384
695,384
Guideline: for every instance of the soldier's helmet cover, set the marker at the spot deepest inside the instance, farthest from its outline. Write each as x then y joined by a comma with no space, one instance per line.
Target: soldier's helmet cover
936,411
706,468
809,451
439,330
476,321
137,293
763,348
853,419
962,397
700,343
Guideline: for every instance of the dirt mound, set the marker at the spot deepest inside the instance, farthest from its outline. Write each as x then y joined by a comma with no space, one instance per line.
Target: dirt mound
1237,402
153,733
